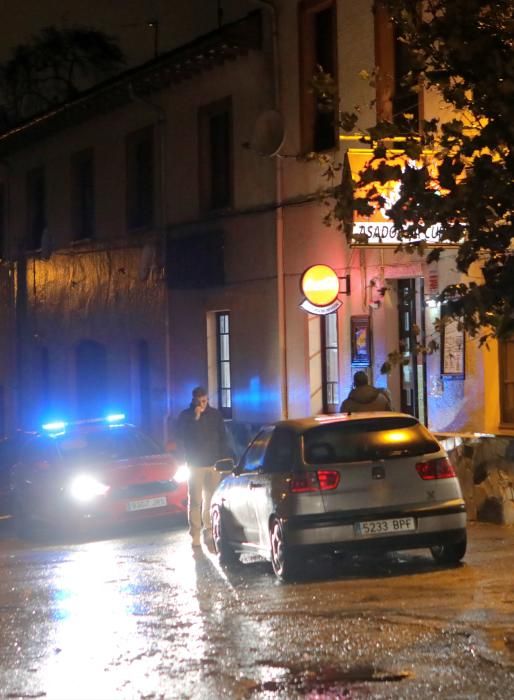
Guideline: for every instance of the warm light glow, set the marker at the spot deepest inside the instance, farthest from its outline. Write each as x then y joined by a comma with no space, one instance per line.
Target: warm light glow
320,285
377,228
395,436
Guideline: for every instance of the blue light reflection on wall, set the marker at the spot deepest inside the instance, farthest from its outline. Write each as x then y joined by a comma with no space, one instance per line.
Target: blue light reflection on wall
257,398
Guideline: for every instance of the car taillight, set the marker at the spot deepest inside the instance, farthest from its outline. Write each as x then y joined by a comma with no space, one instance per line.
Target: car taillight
328,479
436,469
321,480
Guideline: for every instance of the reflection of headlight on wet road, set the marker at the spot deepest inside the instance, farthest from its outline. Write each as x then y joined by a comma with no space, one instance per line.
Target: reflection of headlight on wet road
86,488
182,474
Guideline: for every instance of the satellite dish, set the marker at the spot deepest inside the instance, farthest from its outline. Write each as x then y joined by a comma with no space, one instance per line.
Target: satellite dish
268,134
146,262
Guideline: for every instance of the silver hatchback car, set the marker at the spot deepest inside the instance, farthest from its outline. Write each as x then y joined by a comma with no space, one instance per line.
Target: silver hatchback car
344,483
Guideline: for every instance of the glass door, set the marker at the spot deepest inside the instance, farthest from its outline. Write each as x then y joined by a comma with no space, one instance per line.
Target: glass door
411,324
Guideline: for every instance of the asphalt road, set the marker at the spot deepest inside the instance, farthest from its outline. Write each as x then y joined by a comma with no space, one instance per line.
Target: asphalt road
139,615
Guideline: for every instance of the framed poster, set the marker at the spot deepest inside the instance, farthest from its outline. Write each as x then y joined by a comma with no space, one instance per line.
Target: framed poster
452,351
360,334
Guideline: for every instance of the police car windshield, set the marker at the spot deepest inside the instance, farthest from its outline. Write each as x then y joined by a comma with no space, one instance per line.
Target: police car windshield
112,443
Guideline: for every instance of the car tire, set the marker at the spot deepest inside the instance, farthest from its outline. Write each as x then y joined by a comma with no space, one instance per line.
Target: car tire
283,560
226,553
450,552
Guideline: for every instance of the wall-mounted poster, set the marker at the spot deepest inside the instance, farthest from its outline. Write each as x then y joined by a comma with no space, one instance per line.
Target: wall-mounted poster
360,333
452,350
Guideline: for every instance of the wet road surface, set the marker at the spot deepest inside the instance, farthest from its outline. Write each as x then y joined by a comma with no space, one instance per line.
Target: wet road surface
143,616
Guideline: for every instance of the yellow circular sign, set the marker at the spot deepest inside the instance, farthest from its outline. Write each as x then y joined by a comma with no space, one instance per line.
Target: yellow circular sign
320,285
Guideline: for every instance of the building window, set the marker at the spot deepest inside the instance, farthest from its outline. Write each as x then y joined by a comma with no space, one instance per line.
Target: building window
83,195
393,62
223,363
36,208
215,155
195,262
331,399
318,49
405,102
140,179
315,345
506,356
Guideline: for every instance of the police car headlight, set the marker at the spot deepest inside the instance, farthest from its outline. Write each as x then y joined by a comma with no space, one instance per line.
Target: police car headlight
87,488
182,474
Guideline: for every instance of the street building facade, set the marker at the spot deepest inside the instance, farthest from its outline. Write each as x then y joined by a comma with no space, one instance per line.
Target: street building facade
156,232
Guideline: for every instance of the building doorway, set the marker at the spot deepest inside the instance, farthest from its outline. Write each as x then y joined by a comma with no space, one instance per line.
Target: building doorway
91,379
411,329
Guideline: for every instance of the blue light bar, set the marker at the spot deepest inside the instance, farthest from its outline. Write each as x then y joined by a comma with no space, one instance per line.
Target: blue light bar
56,425
115,418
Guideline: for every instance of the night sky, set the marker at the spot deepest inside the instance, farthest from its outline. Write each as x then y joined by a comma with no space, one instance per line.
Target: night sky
126,19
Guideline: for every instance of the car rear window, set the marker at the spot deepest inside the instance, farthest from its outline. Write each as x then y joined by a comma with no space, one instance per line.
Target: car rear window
353,441
113,443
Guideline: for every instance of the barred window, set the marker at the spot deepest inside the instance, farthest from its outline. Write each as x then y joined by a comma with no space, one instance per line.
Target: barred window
331,399
223,361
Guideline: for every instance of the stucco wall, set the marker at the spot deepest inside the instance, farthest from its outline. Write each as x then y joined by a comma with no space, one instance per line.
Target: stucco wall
250,295
85,296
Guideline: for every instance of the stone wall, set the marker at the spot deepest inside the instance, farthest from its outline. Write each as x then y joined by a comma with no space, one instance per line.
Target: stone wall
485,467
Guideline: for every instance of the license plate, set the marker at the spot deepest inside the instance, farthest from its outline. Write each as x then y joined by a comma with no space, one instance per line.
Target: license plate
145,503
385,527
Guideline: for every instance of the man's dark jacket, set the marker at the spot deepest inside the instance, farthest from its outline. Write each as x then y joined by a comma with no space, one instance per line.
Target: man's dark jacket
202,441
366,398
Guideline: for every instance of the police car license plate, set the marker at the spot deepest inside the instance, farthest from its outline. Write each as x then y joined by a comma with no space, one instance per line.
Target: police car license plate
144,503
385,527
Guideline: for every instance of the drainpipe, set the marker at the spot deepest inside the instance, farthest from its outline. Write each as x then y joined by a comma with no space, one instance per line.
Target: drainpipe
161,124
279,217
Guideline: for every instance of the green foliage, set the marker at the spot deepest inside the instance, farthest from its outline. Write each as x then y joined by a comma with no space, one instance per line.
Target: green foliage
52,68
463,50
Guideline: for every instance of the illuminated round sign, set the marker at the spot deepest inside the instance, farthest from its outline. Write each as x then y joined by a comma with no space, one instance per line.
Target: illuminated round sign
320,285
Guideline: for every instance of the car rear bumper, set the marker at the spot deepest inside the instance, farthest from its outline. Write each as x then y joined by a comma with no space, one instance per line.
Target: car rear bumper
434,524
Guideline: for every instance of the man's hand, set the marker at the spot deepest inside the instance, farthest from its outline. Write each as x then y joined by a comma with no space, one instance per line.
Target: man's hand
200,406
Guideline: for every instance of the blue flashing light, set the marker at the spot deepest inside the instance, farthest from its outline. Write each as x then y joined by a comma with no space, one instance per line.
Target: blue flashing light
115,418
56,426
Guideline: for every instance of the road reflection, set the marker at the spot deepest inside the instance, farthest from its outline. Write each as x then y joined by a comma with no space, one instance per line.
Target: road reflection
147,616
94,614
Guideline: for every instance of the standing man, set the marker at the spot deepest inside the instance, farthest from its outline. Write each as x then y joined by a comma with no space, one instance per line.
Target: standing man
364,397
202,439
